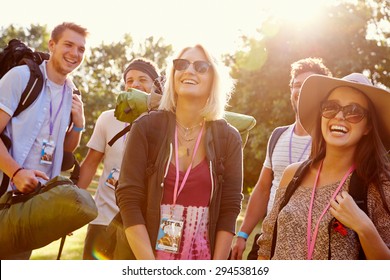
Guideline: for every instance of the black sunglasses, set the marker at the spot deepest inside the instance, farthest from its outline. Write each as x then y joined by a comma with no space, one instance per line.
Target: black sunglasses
200,66
352,113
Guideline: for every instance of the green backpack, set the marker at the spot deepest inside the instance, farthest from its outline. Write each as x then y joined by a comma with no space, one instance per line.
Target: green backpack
133,103
31,221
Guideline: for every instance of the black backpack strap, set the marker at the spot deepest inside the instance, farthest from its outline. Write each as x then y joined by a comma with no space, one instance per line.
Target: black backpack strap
157,129
33,88
77,92
120,134
358,190
219,130
291,187
75,173
17,53
29,95
273,139
4,184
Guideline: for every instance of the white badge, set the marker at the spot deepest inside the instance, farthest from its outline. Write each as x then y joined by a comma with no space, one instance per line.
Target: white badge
169,235
47,152
112,178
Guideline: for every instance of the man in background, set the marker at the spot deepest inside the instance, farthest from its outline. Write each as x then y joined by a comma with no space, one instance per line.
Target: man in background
140,74
288,145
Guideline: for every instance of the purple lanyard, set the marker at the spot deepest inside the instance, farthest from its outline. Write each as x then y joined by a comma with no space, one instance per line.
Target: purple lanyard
290,147
177,190
52,121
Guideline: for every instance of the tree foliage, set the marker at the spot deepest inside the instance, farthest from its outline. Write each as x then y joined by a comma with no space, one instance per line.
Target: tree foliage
262,67
36,36
349,37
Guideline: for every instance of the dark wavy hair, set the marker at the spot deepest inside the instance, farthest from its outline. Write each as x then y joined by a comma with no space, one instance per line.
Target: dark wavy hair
371,158
310,64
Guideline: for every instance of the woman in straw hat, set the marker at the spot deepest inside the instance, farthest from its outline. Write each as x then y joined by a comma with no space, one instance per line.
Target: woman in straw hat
349,122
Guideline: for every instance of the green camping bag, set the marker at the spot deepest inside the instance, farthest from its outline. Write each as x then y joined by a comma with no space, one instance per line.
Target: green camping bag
132,103
53,210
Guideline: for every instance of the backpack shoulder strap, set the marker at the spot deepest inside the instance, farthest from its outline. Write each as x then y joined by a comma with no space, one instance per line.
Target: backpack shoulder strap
33,88
29,95
219,129
274,139
157,128
4,184
291,187
120,134
358,190
295,181
77,92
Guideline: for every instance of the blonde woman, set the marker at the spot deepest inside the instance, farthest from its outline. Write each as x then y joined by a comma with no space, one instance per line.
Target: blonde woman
186,189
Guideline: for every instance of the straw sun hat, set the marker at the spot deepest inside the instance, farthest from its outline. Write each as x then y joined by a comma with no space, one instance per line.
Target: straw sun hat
317,87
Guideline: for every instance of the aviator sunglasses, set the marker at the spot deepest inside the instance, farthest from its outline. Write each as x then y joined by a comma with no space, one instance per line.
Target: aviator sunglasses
200,66
352,113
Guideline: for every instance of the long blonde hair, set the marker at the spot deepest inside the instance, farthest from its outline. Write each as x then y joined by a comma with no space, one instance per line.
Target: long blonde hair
220,94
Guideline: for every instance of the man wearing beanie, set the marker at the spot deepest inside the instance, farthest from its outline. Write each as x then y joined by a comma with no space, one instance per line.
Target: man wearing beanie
140,74
143,72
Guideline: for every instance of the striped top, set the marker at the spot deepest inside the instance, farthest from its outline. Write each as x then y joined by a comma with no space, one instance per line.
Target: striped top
281,157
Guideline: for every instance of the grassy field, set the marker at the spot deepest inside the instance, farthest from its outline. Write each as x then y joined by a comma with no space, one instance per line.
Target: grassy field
73,248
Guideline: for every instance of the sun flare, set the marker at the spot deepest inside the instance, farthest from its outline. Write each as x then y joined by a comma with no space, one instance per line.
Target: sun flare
297,11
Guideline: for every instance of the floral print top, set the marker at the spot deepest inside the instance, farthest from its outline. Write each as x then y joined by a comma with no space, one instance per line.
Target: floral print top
332,242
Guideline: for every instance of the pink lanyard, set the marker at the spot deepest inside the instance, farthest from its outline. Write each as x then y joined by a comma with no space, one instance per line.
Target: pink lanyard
177,191
311,239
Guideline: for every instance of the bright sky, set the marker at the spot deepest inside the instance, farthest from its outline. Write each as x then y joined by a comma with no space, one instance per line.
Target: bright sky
216,23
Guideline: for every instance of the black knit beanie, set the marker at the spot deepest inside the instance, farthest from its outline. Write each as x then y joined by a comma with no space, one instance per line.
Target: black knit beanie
143,66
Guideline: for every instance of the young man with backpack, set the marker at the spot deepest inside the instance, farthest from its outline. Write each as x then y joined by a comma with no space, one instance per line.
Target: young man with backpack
41,133
286,145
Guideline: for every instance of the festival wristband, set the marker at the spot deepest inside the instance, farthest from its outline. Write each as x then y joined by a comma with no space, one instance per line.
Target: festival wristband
16,172
242,235
78,129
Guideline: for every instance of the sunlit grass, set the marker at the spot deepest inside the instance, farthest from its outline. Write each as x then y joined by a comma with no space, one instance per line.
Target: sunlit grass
73,248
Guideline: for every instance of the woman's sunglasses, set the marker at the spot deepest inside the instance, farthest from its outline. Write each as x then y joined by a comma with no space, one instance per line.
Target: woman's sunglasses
200,66
352,113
